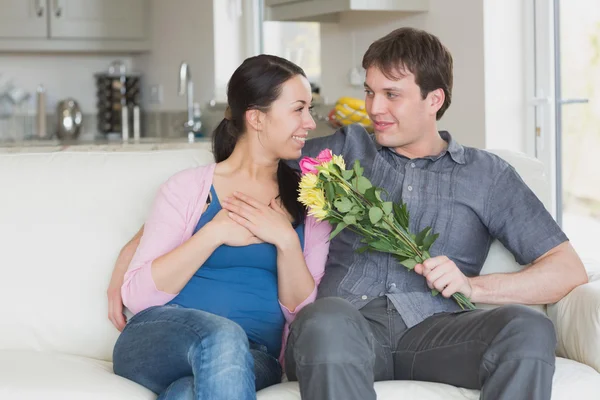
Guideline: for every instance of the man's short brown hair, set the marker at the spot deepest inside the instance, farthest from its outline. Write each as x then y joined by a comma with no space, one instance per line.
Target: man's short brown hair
420,53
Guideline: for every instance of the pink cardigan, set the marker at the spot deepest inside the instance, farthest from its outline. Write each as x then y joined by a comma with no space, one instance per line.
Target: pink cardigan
174,215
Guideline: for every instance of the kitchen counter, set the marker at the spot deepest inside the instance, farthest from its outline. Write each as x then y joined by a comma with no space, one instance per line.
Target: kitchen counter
144,144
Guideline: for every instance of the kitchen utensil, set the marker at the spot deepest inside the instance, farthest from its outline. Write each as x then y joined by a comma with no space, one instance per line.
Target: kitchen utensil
69,119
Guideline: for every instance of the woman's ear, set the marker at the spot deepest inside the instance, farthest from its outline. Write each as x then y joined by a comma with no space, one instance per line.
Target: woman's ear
255,119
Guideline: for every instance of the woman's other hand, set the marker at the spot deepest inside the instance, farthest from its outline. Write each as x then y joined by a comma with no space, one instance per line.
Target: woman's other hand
230,232
270,223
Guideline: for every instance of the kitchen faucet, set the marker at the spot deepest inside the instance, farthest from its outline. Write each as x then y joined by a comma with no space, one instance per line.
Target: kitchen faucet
186,86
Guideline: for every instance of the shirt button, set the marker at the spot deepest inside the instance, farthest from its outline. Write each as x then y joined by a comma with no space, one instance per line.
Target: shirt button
412,165
409,188
364,297
392,285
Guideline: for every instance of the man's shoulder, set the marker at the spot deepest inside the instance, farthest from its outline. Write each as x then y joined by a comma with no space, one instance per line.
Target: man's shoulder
351,138
484,161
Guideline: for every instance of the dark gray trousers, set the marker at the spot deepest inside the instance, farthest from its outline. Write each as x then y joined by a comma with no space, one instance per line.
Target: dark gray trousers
336,352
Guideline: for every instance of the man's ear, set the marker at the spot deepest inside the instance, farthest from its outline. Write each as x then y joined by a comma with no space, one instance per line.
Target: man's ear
436,99
255,119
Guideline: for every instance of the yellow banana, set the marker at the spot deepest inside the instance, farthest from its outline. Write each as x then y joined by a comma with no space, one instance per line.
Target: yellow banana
352,102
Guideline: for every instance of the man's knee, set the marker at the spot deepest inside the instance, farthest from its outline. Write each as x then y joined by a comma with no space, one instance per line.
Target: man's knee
330,329
526,333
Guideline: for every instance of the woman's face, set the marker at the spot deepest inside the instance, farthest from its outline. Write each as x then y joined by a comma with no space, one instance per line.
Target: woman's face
288,121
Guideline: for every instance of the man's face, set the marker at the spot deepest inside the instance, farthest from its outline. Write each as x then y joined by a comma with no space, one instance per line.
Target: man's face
400,115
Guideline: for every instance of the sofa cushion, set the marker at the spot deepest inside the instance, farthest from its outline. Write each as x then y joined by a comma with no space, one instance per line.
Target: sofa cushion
65,216
32,375
572,380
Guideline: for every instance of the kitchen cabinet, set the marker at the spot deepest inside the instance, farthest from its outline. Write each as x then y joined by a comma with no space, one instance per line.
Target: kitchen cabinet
74,25
331,10
270,3
97,19
23,19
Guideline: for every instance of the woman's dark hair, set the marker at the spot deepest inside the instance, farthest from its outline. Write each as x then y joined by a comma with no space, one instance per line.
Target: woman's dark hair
255,85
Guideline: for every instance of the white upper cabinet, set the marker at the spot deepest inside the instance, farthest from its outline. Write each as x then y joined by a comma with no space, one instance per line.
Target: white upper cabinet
330,10
98,19
23,19
74,25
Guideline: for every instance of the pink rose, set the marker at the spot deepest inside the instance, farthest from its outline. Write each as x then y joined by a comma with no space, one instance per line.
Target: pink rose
325,156
309,165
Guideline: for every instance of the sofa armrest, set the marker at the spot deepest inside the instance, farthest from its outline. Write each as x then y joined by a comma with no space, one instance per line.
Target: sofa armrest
577,321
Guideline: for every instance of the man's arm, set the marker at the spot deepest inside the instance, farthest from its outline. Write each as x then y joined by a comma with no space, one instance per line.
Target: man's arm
547,280
115,302
520,221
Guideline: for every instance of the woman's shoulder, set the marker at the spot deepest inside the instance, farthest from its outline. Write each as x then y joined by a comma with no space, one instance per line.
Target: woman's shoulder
193,174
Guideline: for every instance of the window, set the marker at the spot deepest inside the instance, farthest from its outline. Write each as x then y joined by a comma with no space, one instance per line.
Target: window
298,42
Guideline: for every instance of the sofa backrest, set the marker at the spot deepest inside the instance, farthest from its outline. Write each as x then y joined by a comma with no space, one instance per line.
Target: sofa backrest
63,219
65,216
531,170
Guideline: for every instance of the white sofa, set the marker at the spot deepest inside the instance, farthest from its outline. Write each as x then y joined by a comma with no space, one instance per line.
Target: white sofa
63,218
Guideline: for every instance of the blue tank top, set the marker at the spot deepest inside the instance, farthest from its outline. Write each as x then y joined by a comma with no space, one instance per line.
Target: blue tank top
239,283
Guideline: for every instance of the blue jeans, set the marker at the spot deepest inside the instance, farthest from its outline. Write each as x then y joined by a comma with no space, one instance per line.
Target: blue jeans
187,354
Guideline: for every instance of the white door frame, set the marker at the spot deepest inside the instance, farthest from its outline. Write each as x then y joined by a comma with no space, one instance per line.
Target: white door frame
544,118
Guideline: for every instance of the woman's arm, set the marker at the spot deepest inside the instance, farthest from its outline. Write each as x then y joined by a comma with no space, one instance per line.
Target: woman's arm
298,272
316,251
167,257
115,301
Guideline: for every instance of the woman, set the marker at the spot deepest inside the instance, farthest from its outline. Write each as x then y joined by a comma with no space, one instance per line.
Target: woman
227,256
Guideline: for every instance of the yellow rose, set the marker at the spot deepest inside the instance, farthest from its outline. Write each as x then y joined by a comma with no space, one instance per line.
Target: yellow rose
308,181
339,161
314,199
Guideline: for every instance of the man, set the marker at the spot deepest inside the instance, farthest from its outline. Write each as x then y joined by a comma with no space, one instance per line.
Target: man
375,320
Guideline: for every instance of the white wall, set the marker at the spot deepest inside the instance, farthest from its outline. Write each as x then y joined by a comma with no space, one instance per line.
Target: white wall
458,24
506,79
62,75
179,30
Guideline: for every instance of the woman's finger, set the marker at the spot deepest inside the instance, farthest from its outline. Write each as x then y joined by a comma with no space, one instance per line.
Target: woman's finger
239,208
249,200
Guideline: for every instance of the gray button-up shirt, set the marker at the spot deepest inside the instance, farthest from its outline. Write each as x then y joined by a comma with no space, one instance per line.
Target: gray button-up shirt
468,196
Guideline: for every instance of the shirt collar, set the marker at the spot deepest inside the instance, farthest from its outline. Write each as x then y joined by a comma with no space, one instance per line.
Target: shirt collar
456,150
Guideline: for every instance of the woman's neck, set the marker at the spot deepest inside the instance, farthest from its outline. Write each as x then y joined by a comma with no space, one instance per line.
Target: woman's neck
251,163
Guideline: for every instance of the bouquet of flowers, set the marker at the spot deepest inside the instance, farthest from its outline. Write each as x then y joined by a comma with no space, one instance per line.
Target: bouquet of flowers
348,200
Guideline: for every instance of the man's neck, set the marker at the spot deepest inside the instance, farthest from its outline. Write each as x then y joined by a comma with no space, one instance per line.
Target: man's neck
431,145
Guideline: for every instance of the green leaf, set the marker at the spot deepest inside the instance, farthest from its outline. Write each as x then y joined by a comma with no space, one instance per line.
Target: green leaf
401,214
356,210
337,230
434,292
343,205
426,255
388,207
329,192
410,263
380,245
363,184
421,236
370,194
361,250
350,219
378,194
429,241
336,168
347,174
358,169
375,214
